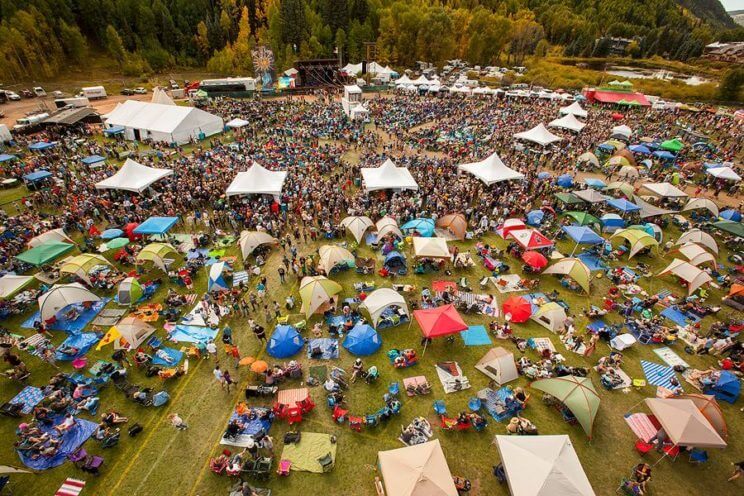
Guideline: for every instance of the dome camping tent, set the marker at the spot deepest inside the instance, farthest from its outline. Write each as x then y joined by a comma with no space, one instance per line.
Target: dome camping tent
380,300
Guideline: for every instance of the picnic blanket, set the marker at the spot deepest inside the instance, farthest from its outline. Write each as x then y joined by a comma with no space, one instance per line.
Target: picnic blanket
84,342
569,344
304,455
540,344
71,326
148,313
240,276
507,283
192,334
174,357
450,375
318,372
109,317
592,261
644,426
414,382
680,318
658,375
670,357
537,300
495,402
442,286
328,349
70,487
29,397
475,336
213,260
480,302
37,344
259,419
627,381
686,375
71,441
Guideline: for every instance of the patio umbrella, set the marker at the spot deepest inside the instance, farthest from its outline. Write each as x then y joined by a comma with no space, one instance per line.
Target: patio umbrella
577,394
564,181
535,260
259,367
246,361
517,309
111,233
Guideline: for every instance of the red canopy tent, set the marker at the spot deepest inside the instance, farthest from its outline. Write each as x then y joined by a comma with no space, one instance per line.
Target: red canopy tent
510,225
530,239
440,321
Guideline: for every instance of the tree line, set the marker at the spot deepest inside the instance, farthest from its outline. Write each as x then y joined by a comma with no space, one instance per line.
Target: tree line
39,38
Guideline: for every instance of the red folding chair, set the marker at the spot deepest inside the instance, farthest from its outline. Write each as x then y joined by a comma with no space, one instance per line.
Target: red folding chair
642,447
355,423
294,415
339,414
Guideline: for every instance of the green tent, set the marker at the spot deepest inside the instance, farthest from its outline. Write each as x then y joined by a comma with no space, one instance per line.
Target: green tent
577,394
568,198
42,254
735,228
583,218
116,243
672,145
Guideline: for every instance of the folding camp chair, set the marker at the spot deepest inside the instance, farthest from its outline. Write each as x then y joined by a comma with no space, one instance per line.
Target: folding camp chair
698,456
294,415
326,462
356,423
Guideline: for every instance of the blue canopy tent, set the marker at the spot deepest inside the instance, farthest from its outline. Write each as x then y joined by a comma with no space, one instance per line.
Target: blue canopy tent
425,227
664,155
623,205
362,340
594,183
216,280
6,157
111,233
37,176
114,130
642,149
611,222
726,388
395,260
93,159
41,145
564,181
731,214
606,148
156,225
582,235
285,342
535,217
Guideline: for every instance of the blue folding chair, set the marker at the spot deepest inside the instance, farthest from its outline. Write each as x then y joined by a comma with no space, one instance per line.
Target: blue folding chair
698,456
439,407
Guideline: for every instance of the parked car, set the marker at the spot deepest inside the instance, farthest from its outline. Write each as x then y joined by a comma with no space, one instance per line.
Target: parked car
39,91
57,94
27,94
140,90
12,95
173,84
127,92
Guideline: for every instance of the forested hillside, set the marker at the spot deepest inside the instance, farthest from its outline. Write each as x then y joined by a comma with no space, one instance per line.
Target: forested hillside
42,37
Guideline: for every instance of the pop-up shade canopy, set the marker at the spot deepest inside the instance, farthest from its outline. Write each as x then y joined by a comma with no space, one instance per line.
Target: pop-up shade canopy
257,180
439,321
61,296
250,240
538,134
388,176
156,225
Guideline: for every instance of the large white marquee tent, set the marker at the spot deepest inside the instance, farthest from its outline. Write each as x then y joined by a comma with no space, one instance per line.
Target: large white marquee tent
491,170
569,122
257,180
538,134
134,177
574,109
388,176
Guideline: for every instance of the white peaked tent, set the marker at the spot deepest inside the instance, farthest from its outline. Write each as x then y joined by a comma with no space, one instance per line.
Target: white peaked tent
491,170
699,237
693,276
357,226
387,225
388,176
498,364
237,123
430,247
250,240
332,256
724,173
257,180
420,80
665,190
575,110
551,316
419,470
696,203
62,295
134,331
164,123
542,466
134,177
352,68
160,96
623,131
568,122
591,196
51,235
696,254
381,299
403,81
648,209
538,134
11,283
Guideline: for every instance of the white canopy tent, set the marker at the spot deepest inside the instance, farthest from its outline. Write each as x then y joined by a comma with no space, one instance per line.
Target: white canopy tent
257,180
491,170
51,235
542,466
61,296
538,134
568,122
699,237
160,96
403,80
381,299
623,131
134,177
331,256
357,226
693,276
164,123
237,123
724,173
696,203
430,247
388,176
420,80
352,68
696,254
419,470
665,190
11,284
575,110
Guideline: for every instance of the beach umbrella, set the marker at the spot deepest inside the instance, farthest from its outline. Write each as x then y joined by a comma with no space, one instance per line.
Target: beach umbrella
284,342
564,181
129,292
544,175
357,226
573,268
535,217
517,309
642,149
577,394
731,214
535,260
362,340
111,233
259,367
117,243
594,183
246,361
316,292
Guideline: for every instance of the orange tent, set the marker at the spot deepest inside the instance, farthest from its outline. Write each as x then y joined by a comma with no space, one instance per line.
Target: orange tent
440,321
736,290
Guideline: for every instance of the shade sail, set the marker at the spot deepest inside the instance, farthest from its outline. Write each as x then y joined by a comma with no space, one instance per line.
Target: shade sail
134,177
431,247
649,210
156,225
574,268
61,296
51,235
380,300
257,180
665,190
491,170
316,292
577,394
542,466
419,470
41,254
568,122
357,226
10,284
693,276
684,423
538,134
440,321
591,196
574,109
250,240
388,176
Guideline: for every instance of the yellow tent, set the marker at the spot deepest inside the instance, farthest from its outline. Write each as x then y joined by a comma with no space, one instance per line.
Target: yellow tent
156,253
637,239
316,293
81,265
574,268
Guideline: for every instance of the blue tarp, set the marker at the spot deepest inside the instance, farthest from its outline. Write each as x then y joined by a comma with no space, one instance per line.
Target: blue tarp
156,225
327,346
193,334
111,233
592,261
114,130
83,342
731,214
583,235
535,217
362,340
71,441
612,222
93,159
175,357
664,155
285,342
259,419
594,183
37,176
564,181
71,326
29,397
41,145
623,205
642,149
680,318
6,157
425,227
475,336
